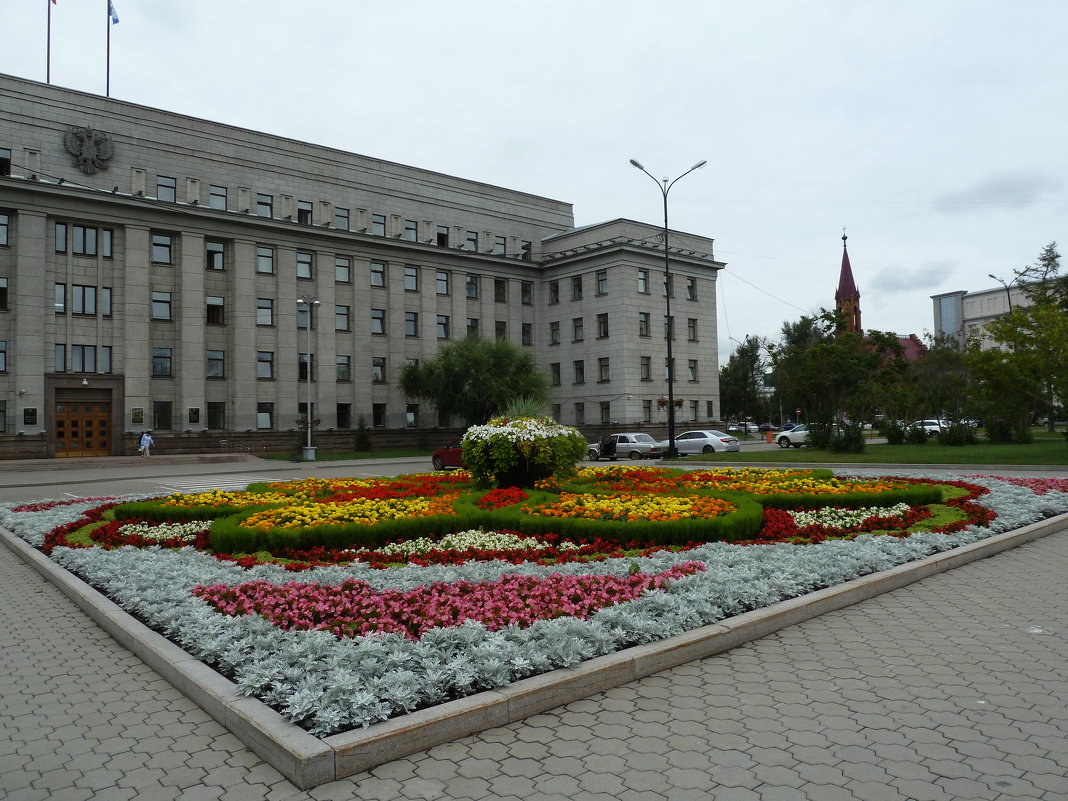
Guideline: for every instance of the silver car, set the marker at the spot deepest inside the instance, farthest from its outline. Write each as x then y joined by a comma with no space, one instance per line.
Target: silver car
796,436
705,441
625,446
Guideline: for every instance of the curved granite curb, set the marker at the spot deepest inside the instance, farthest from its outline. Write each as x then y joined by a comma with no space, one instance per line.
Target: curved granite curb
308,761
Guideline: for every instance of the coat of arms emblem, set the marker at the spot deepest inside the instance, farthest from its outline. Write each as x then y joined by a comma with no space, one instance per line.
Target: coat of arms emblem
90,149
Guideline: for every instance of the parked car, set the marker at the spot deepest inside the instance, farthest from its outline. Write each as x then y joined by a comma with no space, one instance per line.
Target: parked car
932,427
745,426
787,426
448,456
768,427
795,437
703,441
629,445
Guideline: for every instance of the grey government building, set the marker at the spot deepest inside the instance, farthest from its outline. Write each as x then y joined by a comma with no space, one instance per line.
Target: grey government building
151,266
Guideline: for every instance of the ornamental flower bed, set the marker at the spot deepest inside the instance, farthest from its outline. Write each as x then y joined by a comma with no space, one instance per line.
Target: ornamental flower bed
342,622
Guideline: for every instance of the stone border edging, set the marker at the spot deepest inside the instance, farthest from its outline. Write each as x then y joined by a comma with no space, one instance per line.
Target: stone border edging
308,761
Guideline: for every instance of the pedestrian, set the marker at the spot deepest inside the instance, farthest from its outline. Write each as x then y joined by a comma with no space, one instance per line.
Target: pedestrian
146,443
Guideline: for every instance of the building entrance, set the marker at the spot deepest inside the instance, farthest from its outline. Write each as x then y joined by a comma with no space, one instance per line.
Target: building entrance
83,428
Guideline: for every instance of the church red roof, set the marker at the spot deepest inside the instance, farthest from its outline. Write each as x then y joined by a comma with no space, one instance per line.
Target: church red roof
847,287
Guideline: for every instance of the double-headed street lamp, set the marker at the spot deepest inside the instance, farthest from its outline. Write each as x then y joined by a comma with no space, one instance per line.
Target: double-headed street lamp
664,186
1008,294
309,304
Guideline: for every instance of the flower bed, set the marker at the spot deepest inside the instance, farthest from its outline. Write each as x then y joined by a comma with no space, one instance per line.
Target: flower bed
343,634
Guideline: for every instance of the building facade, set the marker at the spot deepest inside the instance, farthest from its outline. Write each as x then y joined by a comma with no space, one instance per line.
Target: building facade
963,315
169,273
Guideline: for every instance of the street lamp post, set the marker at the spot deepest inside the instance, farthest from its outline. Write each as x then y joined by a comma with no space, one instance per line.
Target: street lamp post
310,304
1008,294
664,186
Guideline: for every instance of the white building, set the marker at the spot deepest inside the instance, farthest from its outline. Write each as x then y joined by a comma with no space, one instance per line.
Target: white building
964,314
151,266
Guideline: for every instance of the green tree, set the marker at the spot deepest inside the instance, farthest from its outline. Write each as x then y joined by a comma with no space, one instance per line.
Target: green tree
475,378
741,380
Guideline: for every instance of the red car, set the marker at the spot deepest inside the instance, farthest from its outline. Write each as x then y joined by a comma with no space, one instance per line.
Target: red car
448,456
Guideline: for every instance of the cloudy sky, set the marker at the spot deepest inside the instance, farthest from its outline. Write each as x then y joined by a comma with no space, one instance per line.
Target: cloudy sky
934,131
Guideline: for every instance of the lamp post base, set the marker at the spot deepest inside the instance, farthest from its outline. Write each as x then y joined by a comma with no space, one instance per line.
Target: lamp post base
309,453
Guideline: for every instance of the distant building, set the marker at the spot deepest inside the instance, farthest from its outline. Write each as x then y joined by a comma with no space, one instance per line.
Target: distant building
152,267
963,315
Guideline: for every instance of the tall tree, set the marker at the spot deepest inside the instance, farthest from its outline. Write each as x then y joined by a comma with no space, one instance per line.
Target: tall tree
475,378
741,381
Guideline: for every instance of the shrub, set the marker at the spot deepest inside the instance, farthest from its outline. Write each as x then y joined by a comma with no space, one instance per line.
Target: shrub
914,435
957,434
847,439
893,430
520,451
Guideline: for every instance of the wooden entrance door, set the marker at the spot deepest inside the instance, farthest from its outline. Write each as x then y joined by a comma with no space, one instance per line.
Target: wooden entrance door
83,428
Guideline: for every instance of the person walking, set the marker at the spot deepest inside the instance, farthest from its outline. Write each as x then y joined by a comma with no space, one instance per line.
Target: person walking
146,443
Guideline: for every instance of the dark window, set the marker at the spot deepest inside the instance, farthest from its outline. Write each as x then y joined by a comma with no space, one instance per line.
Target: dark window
344,415
343,368
265,364
378,369
646,370
500,290
161,362
378,273
576,287
5,162
5,226
602,282
216,310
500,329
472,326
441,238
471,241
341,318
602,369
691,329
528,334
691,289
162,419
378,415
214,255
578,329
554,333
216,367
554,292
442,282
411,324
580,371
265,415
643,281
3,294
526,293
378,321
643,324
216,415
554,373
304,212
472,285
305,365
443,326
500,246
602,326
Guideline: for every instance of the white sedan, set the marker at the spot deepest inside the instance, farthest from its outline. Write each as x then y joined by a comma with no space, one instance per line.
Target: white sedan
705,441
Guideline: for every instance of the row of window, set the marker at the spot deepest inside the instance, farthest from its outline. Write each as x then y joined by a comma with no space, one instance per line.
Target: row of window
603,370
605,409
600,279
578,328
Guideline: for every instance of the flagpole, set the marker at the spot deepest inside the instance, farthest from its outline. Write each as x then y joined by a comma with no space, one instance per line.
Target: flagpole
48,48
107,24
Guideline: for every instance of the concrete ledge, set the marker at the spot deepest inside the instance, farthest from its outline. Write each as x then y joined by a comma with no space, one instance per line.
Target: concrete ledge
308,761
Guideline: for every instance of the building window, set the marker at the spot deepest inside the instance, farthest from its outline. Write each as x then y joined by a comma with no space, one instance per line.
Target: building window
165,188
602,326
61,238
646,368
500,329
527,336
106,243
305,366
60,302
216,415
265,415
500,290
378,273
411,324
216,364
83,241
264,205
162,248
342,269
554,333
643,324
443,326
471,284
472,326
378,321
3,355
59,357
304,317
500,246
3,294
162,417
411,278
691,289
554,374
576,287
554,292
693,410
441,237
5,170
217,197
601,278
643,282
161,305
305,264
264,311
343,368
341,219
580,371
378,369
709,410
105,301
471,241
578,329
526,293
606,411
691,329
378,415
161,362
265,364
344,415
378,225
525,249
5,226
214,255
341,318
411,231
442,282
580,414
82,299
264,260
216,310
691,369
304,212
411,415
602,370
647,411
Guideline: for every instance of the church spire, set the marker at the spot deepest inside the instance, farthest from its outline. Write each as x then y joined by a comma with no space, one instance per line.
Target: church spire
847,298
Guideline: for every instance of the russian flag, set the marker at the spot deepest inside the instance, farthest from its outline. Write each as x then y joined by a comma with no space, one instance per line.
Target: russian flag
111,13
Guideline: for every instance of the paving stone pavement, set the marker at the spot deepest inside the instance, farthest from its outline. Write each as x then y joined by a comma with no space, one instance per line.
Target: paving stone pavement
953,688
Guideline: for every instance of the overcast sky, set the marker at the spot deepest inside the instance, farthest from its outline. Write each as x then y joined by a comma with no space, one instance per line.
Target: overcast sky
934,131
